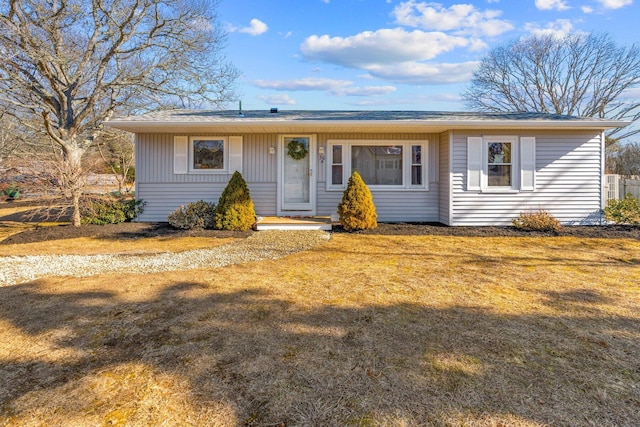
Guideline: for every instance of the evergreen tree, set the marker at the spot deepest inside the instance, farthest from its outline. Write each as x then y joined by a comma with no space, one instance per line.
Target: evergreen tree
235,209
356,210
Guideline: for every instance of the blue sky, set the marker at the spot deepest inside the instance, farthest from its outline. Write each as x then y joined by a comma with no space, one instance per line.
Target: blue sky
390,54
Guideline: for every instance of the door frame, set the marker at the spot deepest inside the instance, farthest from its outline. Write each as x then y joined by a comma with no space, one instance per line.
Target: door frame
310,208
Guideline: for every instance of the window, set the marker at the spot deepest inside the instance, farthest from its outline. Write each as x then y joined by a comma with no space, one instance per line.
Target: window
208,154
336,165
378,165
501,163
381,163
416,165
499,166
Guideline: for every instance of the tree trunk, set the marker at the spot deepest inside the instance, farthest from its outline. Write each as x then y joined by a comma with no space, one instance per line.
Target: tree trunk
73,178
76,219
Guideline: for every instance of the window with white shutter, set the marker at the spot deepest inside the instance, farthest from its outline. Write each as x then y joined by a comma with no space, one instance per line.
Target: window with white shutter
501,163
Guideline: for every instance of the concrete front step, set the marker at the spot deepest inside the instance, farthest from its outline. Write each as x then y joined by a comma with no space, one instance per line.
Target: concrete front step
293,223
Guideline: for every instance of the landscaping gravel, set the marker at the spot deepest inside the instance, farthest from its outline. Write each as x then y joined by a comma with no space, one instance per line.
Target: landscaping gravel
259,246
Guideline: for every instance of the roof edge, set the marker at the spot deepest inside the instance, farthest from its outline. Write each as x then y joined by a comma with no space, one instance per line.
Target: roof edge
603,124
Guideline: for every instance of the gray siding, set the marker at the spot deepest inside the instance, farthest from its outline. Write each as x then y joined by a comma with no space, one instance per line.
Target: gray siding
164,192
445,180
568,182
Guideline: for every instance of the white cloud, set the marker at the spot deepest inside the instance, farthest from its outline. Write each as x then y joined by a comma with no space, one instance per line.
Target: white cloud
255,28
559,27
615,4
277,99
459,18
365,91
586,9
552,5
332,86
303,84
425,73
379,47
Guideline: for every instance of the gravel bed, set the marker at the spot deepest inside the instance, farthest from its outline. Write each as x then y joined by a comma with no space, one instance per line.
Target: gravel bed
259,246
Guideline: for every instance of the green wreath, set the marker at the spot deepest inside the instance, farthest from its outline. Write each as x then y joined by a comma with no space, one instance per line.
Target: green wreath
296,150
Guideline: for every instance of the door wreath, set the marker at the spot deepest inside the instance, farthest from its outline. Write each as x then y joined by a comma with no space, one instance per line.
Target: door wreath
296,150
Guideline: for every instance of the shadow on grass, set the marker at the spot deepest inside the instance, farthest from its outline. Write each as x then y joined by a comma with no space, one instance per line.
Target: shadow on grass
278,363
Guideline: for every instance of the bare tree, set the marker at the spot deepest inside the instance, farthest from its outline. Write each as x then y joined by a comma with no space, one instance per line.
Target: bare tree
116,150
581,75
9,141
72,63
624,159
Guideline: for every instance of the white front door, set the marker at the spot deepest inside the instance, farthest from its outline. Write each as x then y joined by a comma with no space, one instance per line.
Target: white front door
296,183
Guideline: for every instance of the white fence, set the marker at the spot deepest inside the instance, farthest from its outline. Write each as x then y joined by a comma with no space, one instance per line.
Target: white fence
616,186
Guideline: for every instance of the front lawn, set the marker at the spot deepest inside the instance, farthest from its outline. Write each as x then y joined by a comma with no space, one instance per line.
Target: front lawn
364,330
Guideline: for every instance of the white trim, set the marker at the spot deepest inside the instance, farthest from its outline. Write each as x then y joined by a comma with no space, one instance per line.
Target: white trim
225,160
305,209
348,144
275,124
603,153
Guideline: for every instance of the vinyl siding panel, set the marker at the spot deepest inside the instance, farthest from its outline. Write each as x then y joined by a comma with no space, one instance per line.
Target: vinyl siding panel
164,198
568,182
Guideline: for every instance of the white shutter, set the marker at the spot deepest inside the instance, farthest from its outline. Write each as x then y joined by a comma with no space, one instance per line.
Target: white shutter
180,154
474,163
235,154
528,163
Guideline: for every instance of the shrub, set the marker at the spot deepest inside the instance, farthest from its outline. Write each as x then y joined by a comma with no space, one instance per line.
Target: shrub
198,214
12,192
235,210
356,210
623,211
111,211
537,221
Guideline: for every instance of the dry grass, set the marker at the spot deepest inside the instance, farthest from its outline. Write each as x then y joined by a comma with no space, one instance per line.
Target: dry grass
362,331
92,246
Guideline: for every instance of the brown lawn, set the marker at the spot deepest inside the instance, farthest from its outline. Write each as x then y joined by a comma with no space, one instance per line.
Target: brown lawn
364,330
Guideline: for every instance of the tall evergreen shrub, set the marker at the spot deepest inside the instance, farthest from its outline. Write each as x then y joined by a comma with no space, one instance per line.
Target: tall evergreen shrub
235,209
356,210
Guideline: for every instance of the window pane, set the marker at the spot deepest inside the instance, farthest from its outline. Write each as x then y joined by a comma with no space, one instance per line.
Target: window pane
377,164
416,175
499,152
208,154
416,154
499,176
337,154
336,175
